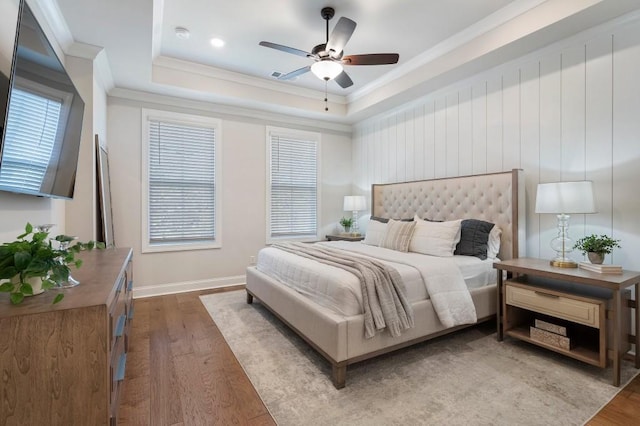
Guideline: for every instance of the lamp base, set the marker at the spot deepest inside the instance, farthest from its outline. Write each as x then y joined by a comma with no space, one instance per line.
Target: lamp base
355,228
71,282
563,263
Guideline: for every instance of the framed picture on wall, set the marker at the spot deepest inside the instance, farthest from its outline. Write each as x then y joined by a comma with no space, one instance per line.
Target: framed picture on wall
105,219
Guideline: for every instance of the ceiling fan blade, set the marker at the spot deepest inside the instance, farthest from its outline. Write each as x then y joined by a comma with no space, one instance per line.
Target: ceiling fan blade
340,36
343,80
286,49
371,59
295,73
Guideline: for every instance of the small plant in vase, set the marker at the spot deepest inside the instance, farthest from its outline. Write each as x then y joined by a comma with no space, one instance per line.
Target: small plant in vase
347,223
596,246
31,264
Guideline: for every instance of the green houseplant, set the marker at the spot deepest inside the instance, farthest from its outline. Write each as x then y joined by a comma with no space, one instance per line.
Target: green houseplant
596,246
32,259
347,223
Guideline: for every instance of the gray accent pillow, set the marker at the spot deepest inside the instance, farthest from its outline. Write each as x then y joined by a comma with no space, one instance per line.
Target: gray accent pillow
398,235
474,238
385,220
379,219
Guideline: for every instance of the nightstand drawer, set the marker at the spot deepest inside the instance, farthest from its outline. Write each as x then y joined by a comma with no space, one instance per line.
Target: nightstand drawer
548,303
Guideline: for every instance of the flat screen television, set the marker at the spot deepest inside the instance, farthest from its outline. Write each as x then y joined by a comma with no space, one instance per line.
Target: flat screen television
41,111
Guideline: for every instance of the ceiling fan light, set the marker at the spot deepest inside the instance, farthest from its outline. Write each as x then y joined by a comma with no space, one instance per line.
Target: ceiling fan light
326,69
216,42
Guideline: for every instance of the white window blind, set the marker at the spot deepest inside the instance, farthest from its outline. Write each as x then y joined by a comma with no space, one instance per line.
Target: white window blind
182,184
293,186
29,140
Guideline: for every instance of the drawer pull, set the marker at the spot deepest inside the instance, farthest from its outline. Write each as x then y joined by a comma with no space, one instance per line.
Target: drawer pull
131,312
122,363
120,325
553,296
119,288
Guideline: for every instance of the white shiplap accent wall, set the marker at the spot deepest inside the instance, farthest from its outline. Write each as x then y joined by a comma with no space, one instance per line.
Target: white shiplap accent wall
568,112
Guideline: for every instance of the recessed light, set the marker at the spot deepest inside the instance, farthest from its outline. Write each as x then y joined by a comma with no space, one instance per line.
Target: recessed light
182,33
217,42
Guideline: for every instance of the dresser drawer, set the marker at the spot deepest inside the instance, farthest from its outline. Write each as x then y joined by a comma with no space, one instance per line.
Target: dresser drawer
550,303
117,373
118,314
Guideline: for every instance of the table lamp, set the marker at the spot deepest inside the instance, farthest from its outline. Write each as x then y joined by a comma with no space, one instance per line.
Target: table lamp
355,203
563,199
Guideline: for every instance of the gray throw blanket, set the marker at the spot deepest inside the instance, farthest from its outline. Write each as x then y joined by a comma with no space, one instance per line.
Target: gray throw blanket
383,292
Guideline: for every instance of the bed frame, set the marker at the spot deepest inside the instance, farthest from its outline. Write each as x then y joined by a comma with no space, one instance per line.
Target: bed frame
495,197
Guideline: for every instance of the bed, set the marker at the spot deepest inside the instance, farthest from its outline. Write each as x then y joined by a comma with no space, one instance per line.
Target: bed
337,333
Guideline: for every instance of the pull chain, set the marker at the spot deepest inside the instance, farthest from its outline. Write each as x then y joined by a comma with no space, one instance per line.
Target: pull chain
326,103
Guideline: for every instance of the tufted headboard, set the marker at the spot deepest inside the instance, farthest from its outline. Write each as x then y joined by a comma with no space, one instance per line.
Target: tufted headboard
494,197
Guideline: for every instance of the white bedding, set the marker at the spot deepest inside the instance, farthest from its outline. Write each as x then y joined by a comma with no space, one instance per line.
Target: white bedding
339,290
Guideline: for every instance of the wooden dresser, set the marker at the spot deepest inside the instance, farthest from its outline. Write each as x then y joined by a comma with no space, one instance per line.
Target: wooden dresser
64,364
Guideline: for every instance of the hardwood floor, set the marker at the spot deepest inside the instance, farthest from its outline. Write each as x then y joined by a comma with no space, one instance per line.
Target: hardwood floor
180,371
624,409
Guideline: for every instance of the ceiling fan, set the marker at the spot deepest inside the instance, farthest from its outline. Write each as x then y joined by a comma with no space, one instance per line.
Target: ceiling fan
328,57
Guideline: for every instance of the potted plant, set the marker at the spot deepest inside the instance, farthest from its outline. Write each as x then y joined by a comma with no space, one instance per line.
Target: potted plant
595,247
31,264
347,223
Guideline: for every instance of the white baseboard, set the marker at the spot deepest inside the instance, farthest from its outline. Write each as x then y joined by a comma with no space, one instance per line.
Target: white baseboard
183,287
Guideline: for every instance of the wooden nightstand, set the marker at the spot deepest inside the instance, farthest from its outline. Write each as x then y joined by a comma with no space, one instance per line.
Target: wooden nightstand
345,237
594,309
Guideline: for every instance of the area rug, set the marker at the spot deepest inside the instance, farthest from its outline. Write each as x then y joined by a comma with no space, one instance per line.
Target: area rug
466,378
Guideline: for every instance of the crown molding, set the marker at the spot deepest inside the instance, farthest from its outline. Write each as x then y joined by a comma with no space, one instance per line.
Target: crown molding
50,18
103,70
101,67
226,111
156,25
235,77
83,50
213,87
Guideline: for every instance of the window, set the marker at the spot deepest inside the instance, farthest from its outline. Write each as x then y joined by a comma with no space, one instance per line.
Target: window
293,194
181,166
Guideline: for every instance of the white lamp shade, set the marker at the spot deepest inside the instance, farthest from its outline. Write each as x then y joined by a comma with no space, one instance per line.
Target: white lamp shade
354,203
565,197
326,69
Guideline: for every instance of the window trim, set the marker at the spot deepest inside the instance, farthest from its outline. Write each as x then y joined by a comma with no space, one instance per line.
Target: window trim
184,119
297,134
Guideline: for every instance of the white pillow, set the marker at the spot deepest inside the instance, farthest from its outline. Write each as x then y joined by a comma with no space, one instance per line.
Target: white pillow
375,232
435,238
493,245
398,235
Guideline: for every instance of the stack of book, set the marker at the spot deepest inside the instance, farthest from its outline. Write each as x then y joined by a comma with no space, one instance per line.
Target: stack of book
602,269
551,334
